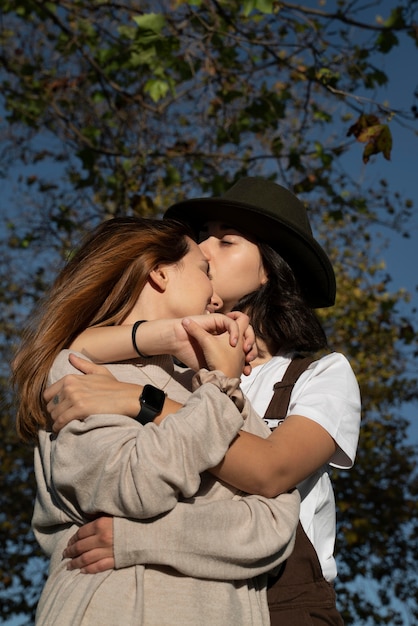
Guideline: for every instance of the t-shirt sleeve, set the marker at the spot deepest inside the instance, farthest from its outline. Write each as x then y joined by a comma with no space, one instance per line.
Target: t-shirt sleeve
328,393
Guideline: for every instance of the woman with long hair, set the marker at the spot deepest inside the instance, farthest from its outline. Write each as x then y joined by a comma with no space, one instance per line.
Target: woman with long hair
127,271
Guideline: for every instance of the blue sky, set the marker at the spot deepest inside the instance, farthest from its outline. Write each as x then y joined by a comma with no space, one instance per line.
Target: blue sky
401,172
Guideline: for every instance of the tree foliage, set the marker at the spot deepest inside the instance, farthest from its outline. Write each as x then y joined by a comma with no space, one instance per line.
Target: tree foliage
110,108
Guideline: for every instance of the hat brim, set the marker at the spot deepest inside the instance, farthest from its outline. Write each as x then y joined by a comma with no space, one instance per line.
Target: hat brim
303,254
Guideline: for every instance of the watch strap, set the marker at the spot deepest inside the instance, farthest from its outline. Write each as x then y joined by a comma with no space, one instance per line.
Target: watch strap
152,401
146,414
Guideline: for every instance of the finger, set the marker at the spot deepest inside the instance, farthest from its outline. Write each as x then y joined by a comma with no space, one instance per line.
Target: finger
233,330
194,330
62,416
87,367
101,527
239,316
81,535
58,404
243,322
52,391
87,537
249,331
58,425
233,314
99,566
234,333
249,338
247,369
60,388
245,332
251,354
61,421
221,324
87,559
77,548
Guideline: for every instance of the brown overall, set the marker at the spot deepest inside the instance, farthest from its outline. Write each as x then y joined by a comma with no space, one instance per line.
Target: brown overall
299,595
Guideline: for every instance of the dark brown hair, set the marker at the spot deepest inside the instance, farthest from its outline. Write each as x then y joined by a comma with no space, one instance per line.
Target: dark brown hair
278,311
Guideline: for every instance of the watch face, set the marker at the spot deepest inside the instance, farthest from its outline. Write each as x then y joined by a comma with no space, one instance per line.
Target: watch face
153,397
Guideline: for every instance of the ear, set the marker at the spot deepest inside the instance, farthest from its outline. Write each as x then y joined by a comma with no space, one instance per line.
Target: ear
264,276
159,278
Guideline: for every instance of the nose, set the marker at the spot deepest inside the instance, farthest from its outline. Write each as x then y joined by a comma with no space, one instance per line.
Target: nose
216,303
205,248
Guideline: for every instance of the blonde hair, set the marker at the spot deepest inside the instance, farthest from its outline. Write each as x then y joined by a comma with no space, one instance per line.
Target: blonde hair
98,287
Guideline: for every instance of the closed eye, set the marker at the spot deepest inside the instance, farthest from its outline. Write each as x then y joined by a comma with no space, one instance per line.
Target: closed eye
206,268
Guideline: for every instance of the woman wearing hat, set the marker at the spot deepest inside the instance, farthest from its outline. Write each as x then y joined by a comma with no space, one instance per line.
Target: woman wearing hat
264,260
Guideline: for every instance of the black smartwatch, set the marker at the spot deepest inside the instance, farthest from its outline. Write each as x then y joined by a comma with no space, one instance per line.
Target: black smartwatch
152,401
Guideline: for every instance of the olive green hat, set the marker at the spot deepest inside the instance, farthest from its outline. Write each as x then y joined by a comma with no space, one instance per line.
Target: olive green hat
268,213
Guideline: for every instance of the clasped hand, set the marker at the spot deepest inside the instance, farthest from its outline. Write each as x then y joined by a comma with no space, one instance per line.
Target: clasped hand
216,341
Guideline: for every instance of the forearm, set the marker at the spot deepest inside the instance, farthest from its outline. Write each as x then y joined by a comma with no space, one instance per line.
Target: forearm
225,540
246,465
154,337
76,397
105,344
292,453
123,399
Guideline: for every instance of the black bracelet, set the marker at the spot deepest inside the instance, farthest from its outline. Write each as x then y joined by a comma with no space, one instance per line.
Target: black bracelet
134,329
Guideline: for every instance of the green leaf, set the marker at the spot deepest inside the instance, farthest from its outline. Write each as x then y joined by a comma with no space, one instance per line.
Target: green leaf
384,142
263,6
396,19
157,88
154,22
386,41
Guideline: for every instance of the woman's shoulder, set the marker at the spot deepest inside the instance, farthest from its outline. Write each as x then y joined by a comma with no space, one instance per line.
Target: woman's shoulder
62,366
332,362
330,372
125,371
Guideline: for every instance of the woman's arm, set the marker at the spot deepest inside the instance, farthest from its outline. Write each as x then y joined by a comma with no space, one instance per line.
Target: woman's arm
75,397
108,344
294,451
253,464
300,445
322,427
112,464
224,539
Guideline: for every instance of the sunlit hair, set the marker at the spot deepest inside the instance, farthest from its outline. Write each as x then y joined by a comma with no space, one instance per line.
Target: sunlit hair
278,311
98,287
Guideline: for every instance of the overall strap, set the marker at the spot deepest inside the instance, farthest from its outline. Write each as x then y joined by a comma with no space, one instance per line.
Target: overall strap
277,409
298,594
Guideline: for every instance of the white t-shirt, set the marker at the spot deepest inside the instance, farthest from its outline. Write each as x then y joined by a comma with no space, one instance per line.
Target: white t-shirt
328,393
